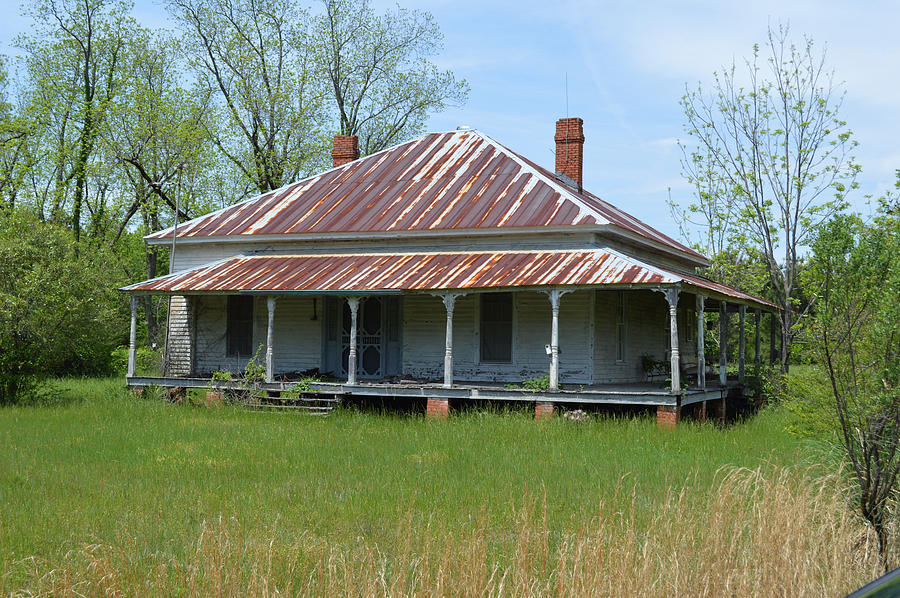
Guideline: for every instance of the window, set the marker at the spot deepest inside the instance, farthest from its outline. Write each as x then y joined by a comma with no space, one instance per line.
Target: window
239,326
620,326
496,327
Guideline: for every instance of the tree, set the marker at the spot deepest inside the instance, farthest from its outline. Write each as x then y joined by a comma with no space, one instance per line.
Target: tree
16,133
857,326
382,82
155,131
75,76
254,57
770,146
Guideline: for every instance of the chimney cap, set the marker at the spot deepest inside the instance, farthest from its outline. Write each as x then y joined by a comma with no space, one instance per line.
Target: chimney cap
464,128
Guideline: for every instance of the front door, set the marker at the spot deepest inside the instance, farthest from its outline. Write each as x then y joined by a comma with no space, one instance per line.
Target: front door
370,357
377,341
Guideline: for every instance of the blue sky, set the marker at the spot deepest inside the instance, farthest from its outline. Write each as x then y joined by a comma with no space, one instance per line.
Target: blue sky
627,65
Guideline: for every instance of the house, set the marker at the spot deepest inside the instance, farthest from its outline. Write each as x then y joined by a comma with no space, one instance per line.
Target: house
444,268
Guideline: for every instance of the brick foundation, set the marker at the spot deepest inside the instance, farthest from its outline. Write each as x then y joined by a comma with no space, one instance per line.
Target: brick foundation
137,390
702,414
543,410
667,416
214,397
438,409
722,410
177,394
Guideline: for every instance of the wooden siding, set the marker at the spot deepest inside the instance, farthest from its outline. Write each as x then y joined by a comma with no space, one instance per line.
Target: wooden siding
192,255
298,340
646,320
424,320
587,336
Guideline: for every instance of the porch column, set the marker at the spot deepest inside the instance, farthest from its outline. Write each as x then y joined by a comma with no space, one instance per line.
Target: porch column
270,340
353,303
671,294
756,356
449,303
132,339
771,338
554,295
742,347
701,342
723,343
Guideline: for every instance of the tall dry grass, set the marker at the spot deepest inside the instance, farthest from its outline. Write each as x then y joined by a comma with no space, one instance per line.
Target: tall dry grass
773,531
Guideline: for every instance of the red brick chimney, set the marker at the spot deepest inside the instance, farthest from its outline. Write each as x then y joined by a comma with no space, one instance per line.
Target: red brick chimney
346,149
570,148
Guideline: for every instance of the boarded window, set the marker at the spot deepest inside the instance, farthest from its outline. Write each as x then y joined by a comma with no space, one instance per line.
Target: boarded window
239,331
620,326
496,327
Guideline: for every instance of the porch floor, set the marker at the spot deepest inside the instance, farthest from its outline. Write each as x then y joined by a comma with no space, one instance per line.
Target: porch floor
641,393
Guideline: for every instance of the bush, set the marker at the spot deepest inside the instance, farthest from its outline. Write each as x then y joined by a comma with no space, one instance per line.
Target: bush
60,312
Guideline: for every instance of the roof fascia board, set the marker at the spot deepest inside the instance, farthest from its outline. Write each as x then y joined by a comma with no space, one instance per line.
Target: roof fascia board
631,236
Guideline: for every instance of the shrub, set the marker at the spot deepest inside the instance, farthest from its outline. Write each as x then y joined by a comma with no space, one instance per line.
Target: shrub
60,312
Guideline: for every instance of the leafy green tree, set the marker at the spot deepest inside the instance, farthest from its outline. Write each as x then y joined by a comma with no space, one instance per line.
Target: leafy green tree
382,81
16,133
770,159
60,312
74,67
857,326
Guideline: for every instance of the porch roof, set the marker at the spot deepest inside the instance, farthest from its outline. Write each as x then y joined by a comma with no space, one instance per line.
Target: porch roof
373,273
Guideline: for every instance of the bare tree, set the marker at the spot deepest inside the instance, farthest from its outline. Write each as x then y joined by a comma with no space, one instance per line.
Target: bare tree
254,56
382,82
770,144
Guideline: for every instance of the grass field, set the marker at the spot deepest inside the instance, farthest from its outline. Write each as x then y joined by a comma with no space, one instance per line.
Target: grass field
102,491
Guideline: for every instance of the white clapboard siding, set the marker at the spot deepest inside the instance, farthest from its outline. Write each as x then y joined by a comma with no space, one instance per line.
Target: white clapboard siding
190,255
297,342
424,320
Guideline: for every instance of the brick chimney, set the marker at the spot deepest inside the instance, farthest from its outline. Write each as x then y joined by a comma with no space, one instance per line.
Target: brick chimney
570,148
346,149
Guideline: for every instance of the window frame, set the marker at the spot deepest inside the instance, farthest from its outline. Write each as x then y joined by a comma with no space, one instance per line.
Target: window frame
512,328
621,329
232,322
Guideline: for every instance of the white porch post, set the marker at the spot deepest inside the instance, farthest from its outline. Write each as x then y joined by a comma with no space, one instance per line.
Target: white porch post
449,303
554,295
742,347
671,294
701,342
757,359
723,343
353,303
270,340
132,339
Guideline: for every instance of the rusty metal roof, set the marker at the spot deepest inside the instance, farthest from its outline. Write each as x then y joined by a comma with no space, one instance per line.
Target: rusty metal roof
459,180
380,272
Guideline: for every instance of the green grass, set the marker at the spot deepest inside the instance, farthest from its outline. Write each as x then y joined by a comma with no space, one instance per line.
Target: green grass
98,465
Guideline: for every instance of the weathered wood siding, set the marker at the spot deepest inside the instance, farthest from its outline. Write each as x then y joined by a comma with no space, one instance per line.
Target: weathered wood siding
298,338
180,347
191,255
646,332
424,320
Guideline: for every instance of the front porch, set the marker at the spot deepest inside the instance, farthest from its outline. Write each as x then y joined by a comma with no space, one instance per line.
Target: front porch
637,394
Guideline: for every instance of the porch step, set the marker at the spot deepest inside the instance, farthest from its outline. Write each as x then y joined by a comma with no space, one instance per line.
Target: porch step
306,403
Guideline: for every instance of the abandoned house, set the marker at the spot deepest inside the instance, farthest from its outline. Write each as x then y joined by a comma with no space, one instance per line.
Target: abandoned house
447,268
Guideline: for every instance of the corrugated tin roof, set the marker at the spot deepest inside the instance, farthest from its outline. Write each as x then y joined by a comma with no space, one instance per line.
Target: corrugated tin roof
349,273
459,180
